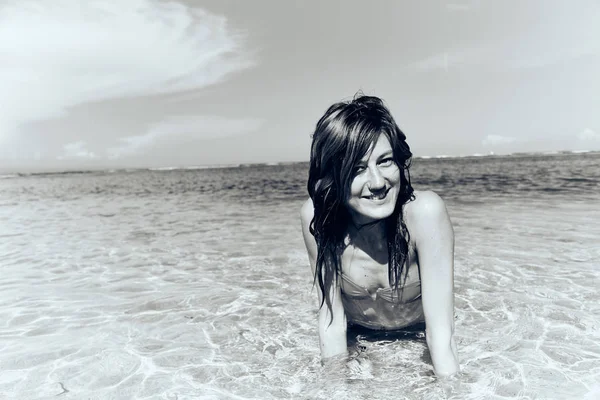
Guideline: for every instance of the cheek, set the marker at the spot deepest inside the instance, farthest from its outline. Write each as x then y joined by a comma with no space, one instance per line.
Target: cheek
354,195
355,188
394,175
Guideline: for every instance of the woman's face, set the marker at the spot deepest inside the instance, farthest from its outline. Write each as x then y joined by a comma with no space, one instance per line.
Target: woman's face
376,184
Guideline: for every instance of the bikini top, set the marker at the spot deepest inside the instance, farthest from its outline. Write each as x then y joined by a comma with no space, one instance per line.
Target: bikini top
382,309
408,293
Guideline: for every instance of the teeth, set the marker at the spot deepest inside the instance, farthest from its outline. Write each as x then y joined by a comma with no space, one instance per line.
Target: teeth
380,197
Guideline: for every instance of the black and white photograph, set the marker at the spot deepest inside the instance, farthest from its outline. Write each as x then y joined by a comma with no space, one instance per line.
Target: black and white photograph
299,199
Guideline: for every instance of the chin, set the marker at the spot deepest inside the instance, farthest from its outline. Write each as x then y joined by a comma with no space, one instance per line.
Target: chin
380,214
375,213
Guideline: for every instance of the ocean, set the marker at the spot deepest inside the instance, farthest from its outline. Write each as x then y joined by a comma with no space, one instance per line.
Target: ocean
195,284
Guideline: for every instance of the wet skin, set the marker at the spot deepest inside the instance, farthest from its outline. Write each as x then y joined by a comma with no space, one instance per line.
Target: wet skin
373,193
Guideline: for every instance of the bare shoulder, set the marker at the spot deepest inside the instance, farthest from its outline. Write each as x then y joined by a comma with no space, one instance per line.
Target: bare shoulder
426,202
426,212
307,211
306,215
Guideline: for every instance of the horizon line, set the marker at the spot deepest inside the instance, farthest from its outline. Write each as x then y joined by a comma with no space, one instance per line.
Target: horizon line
19,171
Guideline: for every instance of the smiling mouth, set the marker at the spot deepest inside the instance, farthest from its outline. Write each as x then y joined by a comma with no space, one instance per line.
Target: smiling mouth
378,196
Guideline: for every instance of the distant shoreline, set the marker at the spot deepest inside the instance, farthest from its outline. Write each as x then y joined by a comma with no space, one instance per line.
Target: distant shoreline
15,172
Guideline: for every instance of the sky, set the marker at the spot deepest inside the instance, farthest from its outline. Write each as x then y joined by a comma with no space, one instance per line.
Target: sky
142,83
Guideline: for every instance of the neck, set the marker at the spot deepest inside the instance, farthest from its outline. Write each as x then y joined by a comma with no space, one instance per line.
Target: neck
371,235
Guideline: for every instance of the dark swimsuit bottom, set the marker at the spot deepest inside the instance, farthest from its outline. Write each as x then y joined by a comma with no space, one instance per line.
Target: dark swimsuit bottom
384,309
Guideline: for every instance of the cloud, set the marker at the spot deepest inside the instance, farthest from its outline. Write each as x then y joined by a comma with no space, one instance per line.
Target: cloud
76,150
437,61
58,54
497,140
458,7
183,127
588,135
533,38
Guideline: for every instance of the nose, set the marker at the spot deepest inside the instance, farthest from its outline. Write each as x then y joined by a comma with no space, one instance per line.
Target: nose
376,180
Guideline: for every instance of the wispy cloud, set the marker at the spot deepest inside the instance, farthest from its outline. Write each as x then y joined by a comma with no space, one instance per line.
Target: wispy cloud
76,151
589,135
437,61
532,38
58,54
458,7
183,127
496,140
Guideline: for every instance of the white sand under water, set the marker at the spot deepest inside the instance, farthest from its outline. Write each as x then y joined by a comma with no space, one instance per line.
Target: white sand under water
180,297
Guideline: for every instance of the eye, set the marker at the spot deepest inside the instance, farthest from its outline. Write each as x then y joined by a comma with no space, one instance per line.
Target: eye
386,162
359,169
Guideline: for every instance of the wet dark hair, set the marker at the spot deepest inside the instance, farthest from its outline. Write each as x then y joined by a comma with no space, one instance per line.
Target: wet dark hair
343,136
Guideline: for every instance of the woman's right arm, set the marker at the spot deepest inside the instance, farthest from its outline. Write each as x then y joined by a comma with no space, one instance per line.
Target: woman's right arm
332,332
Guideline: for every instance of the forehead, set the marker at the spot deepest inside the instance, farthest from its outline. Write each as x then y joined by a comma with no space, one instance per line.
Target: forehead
380,146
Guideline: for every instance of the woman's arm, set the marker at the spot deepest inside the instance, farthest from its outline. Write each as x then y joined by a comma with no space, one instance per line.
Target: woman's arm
332,332
433,235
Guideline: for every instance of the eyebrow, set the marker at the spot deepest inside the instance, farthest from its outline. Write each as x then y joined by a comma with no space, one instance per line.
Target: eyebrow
384,155
388,153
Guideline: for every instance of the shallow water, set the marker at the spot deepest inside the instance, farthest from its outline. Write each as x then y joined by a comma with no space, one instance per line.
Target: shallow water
195,285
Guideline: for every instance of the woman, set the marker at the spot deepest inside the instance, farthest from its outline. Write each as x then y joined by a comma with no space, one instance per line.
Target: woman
381,253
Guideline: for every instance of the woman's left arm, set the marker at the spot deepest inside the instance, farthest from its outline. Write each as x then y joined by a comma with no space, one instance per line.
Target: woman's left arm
433,235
